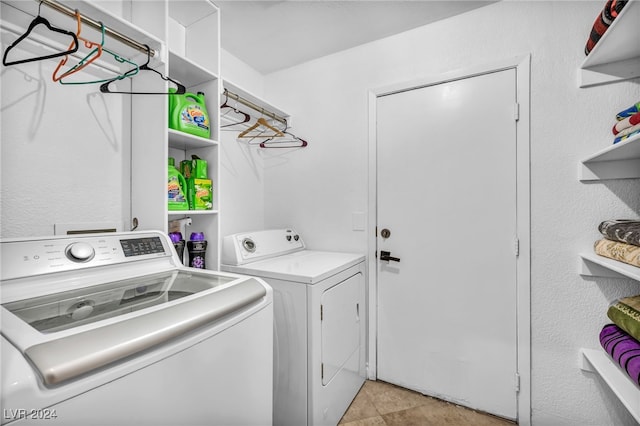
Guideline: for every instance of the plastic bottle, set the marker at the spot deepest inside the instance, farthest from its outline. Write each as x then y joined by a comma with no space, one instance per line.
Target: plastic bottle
176,188
189,114
200,188
197,246
178,244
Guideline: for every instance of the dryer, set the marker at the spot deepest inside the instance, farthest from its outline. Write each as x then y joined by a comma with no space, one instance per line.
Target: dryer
319,322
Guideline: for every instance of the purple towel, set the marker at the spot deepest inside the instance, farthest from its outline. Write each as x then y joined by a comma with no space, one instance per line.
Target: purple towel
624,349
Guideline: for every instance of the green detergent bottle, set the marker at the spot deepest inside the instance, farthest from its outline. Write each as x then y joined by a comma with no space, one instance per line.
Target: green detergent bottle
176,188
189,114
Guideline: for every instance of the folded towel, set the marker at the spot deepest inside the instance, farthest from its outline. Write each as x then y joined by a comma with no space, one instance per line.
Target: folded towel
623,349
622,252
625,137
623,230
610,11
625,313
635,108
626,123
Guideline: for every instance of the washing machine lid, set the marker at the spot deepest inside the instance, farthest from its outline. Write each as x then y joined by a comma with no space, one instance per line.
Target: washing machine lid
306,266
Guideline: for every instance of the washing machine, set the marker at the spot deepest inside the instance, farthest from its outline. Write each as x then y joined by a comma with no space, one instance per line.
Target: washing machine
111,329
319,322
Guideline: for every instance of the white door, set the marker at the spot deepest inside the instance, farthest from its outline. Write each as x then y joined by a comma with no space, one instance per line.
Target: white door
446,193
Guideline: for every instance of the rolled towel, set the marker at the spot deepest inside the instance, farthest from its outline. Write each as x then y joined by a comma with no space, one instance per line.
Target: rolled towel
625,313
610,11
626,123
623,349
623,230
635,108
625,137
622,252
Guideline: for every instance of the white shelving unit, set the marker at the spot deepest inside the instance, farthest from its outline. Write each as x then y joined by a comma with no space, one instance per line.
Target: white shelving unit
597,361
593,265
194,60
616,56
190,32
619,161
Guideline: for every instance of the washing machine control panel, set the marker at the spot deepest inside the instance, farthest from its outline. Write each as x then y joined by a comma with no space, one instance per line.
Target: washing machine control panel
248,247
23,258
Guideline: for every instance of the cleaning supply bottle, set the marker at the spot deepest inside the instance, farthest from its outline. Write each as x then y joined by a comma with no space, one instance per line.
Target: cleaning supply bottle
200,188
189,114
176,188
197,247
178,244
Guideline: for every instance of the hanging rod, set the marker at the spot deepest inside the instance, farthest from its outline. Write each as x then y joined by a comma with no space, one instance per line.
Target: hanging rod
97,25
258,108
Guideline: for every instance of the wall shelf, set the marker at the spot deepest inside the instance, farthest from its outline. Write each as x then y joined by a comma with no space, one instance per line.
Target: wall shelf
616,56
619,161
593,265
254,99
192,212
188,72
182,140
598,361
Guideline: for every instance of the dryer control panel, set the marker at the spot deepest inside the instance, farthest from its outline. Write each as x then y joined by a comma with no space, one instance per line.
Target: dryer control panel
238,249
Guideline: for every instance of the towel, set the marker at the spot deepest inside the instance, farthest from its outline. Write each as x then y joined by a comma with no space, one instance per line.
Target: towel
623,349
635,108
626,123
622,230
626,136
610,11
625,313
622,252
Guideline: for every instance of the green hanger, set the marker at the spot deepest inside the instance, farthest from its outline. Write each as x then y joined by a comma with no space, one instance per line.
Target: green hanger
118,58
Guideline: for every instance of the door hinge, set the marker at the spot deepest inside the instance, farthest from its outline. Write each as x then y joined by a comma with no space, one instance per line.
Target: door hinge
321,312
517,382
516,112
516,247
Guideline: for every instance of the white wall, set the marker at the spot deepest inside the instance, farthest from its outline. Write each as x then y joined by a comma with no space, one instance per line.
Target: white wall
242,166
318,188
65,154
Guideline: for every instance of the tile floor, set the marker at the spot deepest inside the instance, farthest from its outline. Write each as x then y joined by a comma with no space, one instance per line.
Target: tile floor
383,404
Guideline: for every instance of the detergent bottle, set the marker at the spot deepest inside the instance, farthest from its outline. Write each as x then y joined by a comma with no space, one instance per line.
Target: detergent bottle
189,114
176,188
200,188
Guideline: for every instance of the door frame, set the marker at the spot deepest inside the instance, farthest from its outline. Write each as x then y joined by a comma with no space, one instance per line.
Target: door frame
522,66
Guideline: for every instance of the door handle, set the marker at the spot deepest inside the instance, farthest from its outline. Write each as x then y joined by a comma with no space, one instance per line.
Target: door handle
386,255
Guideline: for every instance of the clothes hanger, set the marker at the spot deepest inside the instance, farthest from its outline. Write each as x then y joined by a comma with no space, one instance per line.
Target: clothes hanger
261,122
246,117
87,60
73,46
296,142
117,57
180,90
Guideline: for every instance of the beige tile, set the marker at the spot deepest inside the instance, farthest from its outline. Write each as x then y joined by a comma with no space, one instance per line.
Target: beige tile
360,408
401,407
388,398
472,417
371,421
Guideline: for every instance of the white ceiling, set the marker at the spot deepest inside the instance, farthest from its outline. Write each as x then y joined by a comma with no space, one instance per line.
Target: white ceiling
273,35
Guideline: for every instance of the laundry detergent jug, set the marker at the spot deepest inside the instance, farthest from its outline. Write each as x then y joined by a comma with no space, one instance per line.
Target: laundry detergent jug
189,114
176,188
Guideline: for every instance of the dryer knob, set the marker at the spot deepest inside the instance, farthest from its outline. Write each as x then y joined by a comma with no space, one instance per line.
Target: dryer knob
80,252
